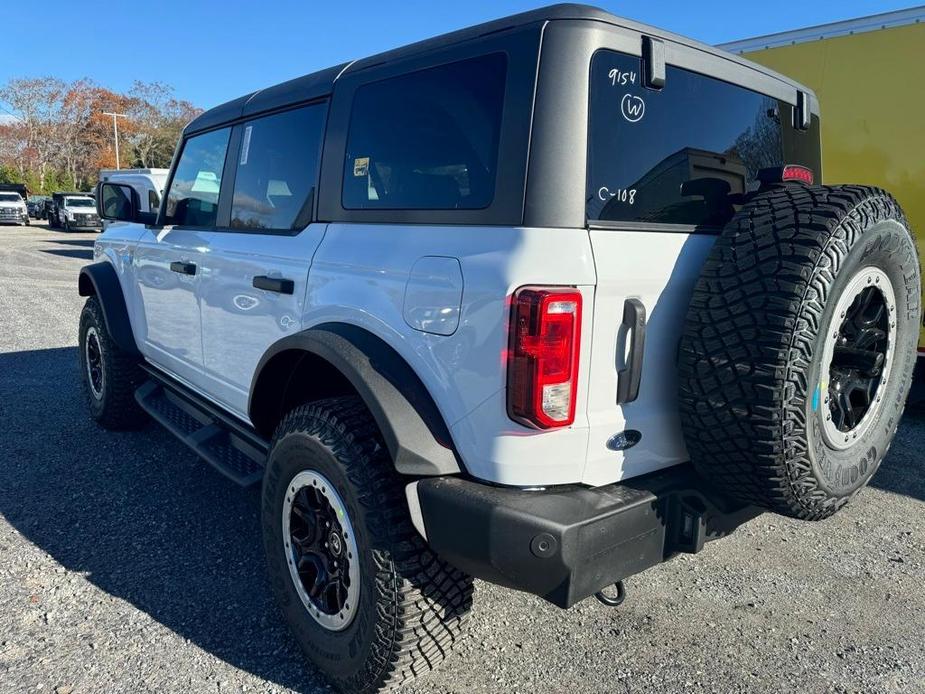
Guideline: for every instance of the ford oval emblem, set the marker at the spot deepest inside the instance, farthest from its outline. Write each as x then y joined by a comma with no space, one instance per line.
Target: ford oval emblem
624,440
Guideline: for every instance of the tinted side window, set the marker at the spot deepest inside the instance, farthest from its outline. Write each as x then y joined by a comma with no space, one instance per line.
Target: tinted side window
193,196
154,201
675,156
427,140
277,170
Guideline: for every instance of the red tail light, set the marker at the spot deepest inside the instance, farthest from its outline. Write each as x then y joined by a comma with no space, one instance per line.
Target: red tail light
542,370
797,173
783,174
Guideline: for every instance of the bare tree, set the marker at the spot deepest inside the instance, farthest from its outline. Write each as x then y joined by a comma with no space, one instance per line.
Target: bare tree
37,103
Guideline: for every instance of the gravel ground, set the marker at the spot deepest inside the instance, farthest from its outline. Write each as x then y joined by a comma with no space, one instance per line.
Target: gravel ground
128,566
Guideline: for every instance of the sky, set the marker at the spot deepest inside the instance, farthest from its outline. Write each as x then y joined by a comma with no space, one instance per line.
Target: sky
211,51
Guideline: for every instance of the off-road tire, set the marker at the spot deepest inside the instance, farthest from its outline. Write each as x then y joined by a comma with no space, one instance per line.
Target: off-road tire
752,384
412,604
114,407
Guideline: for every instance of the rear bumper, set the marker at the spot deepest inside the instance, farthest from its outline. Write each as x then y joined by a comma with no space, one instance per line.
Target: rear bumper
567,543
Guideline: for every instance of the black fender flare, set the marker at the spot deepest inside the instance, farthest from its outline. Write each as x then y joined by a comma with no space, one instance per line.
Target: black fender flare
100,279
411,425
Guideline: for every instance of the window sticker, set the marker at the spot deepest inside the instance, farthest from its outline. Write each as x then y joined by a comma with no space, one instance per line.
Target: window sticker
246,145
360,166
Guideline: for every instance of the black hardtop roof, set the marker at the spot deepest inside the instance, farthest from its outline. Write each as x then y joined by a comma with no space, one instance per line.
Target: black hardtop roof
321,83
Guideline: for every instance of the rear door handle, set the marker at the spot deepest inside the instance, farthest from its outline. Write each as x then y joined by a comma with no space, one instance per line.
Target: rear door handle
279,285
634,325
183,268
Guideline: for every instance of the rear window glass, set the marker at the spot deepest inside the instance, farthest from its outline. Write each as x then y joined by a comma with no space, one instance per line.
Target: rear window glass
277,166
679,155
427,140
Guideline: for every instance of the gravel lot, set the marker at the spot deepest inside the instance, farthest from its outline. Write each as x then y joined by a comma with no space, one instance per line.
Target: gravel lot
128,566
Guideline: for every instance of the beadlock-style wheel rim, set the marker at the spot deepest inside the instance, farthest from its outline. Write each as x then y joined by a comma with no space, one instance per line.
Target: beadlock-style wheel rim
858,358
321,550
94,360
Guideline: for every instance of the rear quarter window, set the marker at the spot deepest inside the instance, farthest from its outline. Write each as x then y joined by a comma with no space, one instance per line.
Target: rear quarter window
678,155
427,140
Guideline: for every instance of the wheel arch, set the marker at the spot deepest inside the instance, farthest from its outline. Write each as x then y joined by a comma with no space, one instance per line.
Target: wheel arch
338,358
100,280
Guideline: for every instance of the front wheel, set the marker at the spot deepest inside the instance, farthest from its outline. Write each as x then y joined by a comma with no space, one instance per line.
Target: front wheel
109,375
366,599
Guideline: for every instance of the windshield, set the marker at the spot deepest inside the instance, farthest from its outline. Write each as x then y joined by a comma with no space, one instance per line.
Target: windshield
79,202
10,197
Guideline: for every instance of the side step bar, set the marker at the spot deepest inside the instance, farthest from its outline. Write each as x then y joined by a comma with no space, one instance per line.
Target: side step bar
226,444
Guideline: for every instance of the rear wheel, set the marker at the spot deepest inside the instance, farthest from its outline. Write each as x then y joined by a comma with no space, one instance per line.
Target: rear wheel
366,599
799,346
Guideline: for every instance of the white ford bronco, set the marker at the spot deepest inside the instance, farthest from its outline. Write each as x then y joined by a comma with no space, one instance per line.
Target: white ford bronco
543,302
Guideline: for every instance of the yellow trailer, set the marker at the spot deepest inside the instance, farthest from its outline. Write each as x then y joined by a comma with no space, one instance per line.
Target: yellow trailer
869,75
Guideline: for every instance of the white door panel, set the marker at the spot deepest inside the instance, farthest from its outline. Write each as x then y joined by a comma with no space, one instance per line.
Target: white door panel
167,310
660,269
239,322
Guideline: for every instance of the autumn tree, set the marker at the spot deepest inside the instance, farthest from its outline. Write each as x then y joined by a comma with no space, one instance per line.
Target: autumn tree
56,134
37,102
157,118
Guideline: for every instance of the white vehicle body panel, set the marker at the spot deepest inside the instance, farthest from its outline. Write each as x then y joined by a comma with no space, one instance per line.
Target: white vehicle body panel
239,322
360,275
211,329
166,311
660,269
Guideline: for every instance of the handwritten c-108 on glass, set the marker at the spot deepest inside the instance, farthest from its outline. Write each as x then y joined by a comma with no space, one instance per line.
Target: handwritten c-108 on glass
620,194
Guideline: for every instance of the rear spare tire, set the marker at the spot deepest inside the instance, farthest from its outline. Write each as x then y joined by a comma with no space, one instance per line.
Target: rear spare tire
799,345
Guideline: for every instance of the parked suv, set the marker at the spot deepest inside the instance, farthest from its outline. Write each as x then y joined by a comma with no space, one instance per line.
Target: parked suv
73,212
545,302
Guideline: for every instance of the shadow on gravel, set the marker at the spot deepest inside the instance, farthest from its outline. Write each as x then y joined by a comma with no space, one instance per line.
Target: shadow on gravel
144,520
70,253
141,518
84,243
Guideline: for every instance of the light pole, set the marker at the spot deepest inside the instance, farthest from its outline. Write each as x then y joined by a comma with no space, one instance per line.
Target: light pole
115,130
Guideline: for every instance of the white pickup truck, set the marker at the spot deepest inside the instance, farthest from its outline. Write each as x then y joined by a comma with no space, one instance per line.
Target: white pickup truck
13,209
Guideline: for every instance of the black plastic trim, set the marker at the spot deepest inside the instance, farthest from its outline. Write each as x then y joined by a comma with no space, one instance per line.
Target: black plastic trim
408,418
274,284
101,279
634,328
214,433
568,543
653,62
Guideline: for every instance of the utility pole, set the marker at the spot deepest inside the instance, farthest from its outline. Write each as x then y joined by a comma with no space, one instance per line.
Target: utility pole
115,131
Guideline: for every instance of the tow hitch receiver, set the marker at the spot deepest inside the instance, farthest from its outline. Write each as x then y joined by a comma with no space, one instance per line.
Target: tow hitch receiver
569,543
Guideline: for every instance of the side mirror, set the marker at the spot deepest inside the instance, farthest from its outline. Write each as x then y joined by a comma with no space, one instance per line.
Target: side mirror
117,202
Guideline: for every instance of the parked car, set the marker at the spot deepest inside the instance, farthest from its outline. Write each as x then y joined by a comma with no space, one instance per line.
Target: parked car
13,208
545,302
73,212
34,206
